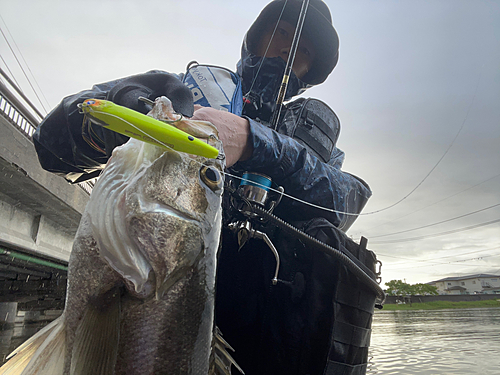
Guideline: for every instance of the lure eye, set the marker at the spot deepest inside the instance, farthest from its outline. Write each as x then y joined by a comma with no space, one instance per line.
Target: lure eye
211,177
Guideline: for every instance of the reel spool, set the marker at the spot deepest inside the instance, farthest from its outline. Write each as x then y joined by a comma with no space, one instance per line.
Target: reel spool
254,187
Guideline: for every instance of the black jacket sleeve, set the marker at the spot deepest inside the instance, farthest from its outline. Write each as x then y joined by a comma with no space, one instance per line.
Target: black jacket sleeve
78,150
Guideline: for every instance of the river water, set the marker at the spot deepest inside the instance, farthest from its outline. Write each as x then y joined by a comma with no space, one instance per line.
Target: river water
442,342
436,342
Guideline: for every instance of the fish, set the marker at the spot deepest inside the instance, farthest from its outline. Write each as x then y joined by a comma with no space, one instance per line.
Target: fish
141,274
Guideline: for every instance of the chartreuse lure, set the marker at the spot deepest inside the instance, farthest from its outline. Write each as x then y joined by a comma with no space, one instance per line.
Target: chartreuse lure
145,128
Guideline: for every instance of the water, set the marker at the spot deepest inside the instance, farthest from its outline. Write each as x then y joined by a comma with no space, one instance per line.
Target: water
454,342
436,342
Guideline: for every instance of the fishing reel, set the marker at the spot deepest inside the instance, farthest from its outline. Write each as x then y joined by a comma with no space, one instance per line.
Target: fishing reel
254,191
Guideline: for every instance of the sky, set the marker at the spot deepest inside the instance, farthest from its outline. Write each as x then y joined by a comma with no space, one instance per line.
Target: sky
416,89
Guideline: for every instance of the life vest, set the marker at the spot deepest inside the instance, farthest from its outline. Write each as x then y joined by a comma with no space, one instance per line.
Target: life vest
214,86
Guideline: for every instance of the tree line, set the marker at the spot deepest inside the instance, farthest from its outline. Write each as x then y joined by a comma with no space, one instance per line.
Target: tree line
400,288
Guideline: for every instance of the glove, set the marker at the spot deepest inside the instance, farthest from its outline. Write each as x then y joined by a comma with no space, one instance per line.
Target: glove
152,85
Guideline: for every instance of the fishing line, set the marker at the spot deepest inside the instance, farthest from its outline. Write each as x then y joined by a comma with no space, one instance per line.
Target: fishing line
442,263
442,157
439,222
433,259
331,210
235,176
402,199
432,204
438,234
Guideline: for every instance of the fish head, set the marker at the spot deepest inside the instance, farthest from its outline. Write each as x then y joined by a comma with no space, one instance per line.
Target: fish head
156,214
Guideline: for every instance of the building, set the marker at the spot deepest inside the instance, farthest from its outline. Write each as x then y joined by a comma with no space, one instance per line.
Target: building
471,284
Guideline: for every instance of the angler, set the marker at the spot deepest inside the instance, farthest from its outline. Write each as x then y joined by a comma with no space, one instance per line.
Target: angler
312,314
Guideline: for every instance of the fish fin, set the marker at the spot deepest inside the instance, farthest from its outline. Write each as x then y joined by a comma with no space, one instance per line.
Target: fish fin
96,340
42,354
223,359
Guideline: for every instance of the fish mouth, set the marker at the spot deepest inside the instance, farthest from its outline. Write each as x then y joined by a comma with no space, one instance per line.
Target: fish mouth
165,209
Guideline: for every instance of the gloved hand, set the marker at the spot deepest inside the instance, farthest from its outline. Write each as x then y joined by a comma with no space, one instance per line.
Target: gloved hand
151,86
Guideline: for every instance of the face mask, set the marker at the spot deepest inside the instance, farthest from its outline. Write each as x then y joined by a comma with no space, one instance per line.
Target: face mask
261,79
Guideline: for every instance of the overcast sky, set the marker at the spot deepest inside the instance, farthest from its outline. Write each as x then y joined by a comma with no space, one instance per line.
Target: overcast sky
411,75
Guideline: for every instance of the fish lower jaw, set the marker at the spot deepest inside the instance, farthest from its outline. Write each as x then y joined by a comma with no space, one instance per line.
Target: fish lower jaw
165,209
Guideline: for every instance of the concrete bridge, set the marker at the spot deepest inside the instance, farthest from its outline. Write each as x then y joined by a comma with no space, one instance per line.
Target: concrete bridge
39,212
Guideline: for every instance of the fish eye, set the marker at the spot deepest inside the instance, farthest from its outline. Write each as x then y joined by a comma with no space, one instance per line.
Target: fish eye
211,177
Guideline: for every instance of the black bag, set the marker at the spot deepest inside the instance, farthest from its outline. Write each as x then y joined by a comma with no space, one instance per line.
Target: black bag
315,321
312,123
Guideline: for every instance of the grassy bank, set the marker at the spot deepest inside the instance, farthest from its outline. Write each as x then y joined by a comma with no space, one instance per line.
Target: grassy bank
438,305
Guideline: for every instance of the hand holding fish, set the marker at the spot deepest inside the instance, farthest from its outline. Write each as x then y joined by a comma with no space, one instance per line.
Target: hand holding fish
234,132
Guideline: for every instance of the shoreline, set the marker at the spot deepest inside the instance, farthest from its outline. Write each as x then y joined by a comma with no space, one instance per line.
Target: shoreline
440,305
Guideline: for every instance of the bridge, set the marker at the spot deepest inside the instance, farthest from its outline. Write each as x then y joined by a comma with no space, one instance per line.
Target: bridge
39,211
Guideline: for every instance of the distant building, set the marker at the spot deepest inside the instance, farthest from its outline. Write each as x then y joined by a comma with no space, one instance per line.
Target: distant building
472,284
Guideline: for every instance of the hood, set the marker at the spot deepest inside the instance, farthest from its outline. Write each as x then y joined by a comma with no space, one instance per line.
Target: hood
261,76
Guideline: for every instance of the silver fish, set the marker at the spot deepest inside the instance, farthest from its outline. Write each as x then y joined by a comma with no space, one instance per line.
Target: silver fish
141,278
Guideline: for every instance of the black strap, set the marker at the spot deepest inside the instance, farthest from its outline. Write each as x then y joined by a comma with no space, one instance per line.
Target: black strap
360,299
313,143
313,118
337,368
351,335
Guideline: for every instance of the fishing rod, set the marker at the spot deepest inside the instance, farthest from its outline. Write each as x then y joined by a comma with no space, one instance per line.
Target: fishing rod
288,69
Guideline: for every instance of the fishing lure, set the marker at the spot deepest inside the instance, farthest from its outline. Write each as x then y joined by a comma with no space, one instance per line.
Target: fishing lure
145,128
